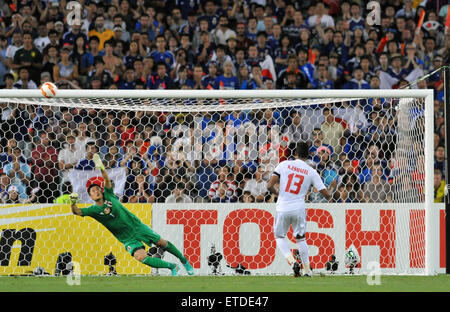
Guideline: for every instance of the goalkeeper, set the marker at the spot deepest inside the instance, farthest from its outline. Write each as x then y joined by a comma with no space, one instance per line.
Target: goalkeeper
125,226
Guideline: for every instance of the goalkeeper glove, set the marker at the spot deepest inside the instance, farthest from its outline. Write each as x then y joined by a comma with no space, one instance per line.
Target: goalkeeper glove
74,198
98,162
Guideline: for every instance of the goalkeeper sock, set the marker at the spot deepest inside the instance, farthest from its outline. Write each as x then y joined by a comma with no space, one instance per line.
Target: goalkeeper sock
158,263
174,251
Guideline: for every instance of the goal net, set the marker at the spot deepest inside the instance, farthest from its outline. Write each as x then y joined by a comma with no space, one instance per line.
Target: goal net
195,165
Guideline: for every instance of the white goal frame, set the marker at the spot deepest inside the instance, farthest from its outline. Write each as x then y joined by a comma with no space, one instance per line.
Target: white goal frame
431,215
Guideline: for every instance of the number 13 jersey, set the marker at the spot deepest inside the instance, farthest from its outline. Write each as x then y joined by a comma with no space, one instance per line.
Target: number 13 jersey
296,177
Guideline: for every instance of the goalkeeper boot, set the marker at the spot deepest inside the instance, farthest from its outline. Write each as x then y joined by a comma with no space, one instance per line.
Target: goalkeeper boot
188,267
296,269
175,270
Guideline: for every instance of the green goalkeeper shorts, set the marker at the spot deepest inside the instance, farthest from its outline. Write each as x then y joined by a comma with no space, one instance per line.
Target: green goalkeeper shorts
142,235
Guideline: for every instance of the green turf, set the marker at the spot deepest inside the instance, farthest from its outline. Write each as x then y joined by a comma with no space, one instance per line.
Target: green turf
439,283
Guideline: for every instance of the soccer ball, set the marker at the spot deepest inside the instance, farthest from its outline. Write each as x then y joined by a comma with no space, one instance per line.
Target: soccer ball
49,89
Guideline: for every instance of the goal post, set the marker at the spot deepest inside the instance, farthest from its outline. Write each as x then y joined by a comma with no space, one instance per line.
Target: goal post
412,104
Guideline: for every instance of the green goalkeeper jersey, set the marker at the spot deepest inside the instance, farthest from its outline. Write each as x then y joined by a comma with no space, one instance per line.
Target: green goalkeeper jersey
114,216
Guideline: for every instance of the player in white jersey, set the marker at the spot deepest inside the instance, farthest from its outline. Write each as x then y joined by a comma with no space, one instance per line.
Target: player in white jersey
294,178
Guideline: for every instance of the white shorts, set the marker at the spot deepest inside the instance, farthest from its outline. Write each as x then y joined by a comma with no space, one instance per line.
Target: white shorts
284,219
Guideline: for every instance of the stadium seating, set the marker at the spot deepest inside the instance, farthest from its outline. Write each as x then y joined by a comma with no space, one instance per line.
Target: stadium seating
223,44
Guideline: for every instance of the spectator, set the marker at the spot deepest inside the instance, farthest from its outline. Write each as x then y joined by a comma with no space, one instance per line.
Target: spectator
180,60
439,186
341,195
220,57
99,30
14,197
243,76
42,41
7,155
332,131
377,189
82,57
50,59
53,36
18,171
70,37
65,69
396,70
326,167
222,32
82,138
282,52
247,197
322,81
5,182
232,49
93,44
321,18
87,162
24,82
205,49
69,157
178,195
439,159
365,65
100,74
300,79
222,194
257,186
113,64
16,123
129,80
210,14
261,43
339,46
183,78
28,57
266,63
197,77
120,34
358,81
200,31
358,40
243,42
407,11
44,160
142,192
188,27
112,157
160,79
141,76
257,79
136,166
126,129
227,81
15,43
9,81
305,65
222,177
295,131
161,54
356,18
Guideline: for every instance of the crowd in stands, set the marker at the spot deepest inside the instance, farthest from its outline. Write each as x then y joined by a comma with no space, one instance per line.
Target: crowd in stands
223,44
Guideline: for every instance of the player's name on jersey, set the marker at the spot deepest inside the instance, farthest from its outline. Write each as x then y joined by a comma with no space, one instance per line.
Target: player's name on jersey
296,169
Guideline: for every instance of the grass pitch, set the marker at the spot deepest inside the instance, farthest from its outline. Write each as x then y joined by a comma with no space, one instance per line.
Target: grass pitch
234,284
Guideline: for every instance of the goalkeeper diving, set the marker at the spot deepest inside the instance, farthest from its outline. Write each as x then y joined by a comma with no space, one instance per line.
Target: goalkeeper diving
124,225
